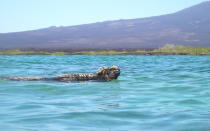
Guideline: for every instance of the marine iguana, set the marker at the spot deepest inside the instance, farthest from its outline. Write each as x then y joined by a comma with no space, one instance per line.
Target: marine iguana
103,74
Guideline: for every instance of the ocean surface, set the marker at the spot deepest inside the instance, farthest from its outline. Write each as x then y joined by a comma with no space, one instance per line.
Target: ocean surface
160,93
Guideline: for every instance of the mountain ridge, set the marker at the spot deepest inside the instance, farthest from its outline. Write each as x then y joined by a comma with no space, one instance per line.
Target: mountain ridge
189,26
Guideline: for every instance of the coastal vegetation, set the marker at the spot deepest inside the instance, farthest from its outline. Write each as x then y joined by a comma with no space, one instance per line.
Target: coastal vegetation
179,49
168,49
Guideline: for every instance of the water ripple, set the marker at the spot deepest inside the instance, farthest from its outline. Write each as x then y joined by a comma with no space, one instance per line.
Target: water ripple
152,93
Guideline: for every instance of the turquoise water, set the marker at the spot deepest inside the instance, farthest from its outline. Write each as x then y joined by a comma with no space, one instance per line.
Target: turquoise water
152,93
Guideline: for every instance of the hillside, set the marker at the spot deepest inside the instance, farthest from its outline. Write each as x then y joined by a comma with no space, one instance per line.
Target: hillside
190,26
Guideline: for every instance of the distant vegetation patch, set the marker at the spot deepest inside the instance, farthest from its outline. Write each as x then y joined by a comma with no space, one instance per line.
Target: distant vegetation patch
178,49
168,49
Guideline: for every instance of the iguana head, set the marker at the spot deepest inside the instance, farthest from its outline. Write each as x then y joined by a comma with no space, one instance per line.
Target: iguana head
108,73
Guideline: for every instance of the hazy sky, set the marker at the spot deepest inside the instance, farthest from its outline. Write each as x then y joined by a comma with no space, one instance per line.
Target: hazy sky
20,15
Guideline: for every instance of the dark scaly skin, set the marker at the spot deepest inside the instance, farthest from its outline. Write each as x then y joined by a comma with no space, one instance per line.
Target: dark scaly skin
103,74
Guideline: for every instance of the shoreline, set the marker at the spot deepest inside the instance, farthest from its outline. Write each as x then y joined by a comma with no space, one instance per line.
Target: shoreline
166,50
101,53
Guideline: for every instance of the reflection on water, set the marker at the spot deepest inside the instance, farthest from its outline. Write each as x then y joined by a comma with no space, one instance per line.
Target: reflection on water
111,101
